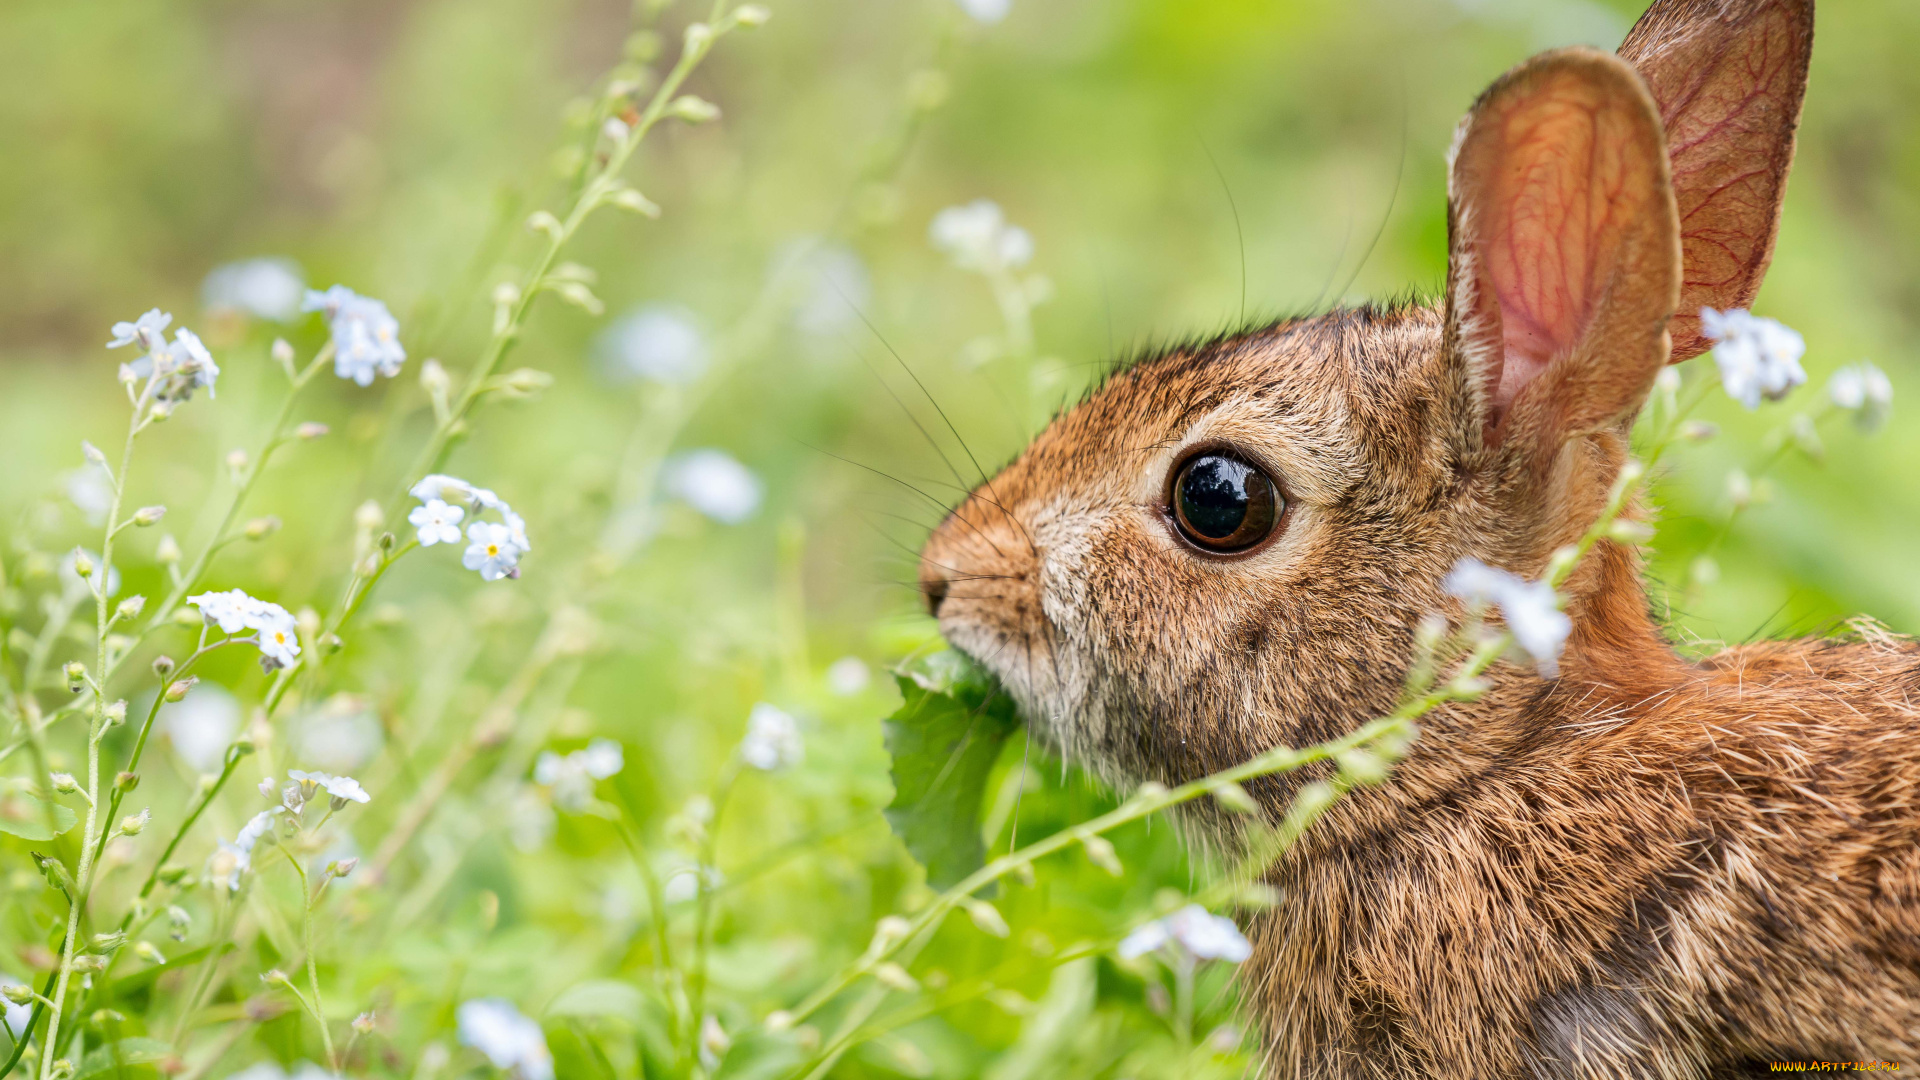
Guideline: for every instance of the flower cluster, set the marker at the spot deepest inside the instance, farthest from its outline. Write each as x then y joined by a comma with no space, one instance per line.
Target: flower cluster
572,776
274,629
173,370
1193,932
510,1040
1531,608
366,336
977,237
772,740
302,787
1758,357
494,549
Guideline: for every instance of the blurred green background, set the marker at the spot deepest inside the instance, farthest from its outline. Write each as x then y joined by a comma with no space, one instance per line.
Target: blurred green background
1181,165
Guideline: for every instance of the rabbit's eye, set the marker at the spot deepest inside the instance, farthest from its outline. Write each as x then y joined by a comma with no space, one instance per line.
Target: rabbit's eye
1223,504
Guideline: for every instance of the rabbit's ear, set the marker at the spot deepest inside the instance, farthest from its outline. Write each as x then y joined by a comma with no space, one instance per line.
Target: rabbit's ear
1728,77
1564,258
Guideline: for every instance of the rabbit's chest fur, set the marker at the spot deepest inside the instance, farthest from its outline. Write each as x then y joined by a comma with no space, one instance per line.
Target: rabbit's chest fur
1723,873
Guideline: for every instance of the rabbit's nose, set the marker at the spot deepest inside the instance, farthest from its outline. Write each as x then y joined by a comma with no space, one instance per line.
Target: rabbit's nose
935,586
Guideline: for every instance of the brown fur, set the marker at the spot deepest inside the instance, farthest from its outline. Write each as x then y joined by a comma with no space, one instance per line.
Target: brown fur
1645,867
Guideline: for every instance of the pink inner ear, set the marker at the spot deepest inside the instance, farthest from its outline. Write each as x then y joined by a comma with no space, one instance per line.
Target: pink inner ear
1549,223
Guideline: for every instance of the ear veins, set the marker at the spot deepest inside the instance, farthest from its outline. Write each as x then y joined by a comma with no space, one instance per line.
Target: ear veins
1729,86
1564,253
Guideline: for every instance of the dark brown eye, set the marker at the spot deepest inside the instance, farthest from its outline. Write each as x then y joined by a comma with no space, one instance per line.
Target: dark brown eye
1224,504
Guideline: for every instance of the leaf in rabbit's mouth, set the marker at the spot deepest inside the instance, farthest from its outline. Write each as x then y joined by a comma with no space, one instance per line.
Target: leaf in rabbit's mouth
944,740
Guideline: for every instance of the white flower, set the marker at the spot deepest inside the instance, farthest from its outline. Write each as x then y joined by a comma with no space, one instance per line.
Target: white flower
1194,931
443,488
201,725
15,1016
530,821
232,611
572,776
343,789
275,631
772,739
1864,390
193,365
661,342
510,1040
438,522
848,676
1530,608
491,551
264,288
149,331
977,237
713,483
1758,357
366,337
277,635
235,858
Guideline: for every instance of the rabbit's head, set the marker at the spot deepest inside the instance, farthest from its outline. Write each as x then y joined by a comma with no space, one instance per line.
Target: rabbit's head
1228,544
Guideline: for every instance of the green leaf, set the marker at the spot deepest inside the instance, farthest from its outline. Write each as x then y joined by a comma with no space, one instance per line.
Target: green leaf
602,997
944,740
107,1058
25,816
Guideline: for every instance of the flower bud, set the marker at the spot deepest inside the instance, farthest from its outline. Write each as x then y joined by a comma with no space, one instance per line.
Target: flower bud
276,977
76,675
237,465
261,527
135,824
539,221
1362,766
311,430
887,931
627,198
163,665
187,618
364,1023
525,382
308,621
1100,852
342,867
283,354
82,563
433,377
92,454
62,1067
751,15
894,977
615,130
130,608
986,918
699,36
159,412
115,713
693,110
126,781
178,690
17,993
1739,489
1698,431
1630,532
170,875
149,515
145,950
369,516
330,643
89,963
106,943
386,541
167,552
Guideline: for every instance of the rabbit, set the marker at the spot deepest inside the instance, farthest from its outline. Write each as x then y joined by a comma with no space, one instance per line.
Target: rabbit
1643,866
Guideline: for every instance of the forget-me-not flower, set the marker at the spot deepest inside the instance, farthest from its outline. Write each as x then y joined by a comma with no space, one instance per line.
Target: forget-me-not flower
1531,608
437,522
1758,357
366,336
